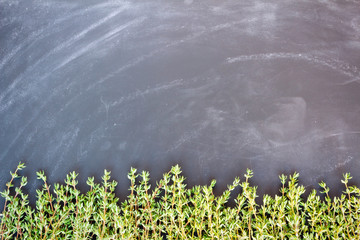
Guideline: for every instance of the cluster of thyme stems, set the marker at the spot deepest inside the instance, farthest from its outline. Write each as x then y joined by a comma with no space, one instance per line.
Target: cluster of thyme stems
172,211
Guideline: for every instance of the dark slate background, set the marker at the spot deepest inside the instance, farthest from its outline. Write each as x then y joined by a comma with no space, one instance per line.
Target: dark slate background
215,86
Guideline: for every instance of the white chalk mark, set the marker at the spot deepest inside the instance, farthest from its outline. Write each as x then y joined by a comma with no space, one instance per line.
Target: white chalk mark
144,57
350,81
137,94
342,133
188,136
65,44
83,33
309,139
54,93
95,43
334,64
35,36
213,118
339,164
107,106
81,153
162,49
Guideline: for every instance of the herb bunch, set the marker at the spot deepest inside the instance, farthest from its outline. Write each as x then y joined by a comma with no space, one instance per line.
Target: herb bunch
173,211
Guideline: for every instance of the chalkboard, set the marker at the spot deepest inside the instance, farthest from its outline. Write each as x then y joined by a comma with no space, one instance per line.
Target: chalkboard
215,86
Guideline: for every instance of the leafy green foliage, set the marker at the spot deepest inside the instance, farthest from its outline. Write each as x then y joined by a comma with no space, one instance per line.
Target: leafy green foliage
173,211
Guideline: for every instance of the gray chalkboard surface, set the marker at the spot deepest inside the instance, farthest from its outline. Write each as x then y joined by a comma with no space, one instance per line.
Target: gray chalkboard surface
216,86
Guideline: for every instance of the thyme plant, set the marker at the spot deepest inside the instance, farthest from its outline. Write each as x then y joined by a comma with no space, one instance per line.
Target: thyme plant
173,211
